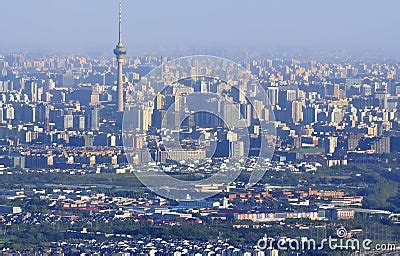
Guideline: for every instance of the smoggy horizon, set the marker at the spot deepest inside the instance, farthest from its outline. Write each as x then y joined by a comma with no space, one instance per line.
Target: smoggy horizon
176,26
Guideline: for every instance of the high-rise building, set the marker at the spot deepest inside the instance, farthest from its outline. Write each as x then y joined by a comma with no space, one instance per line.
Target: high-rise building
382,145
273,95
382,97
1,115
95,97
92,119
310,114
79,122
9,112
330,145
297,111
286,96
68,79
68,121
353,141
236,149
141,118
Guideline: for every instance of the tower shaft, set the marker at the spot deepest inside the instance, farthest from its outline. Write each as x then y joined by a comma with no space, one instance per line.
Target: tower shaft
120,87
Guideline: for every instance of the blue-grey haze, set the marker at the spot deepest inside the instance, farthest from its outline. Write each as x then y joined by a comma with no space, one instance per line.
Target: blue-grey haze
168,25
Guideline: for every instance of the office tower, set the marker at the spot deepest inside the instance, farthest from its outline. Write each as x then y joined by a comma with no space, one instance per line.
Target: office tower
141,118
159,102
259,110
95,97
330,145
68,79
203,87
120,53
286,96
4,86
238,93
398,74
291,95
310,114
173,101
171,121
29,113
246,113
382,97
31,89
9,112
273,95
146,118
332,90
92,119
230,113
336,115
353,141
204,119
49,85
68,121
297,111
79,122
236,149
1,115
382,145
194,72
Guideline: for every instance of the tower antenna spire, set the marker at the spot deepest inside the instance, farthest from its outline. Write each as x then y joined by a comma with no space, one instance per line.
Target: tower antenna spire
120,21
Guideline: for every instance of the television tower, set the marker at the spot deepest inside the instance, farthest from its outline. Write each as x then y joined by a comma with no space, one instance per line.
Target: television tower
120,53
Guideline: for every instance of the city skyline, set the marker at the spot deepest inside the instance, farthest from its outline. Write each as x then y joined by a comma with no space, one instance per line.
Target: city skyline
259,128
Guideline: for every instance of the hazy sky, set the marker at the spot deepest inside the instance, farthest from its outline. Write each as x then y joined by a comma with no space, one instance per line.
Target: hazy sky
152,25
